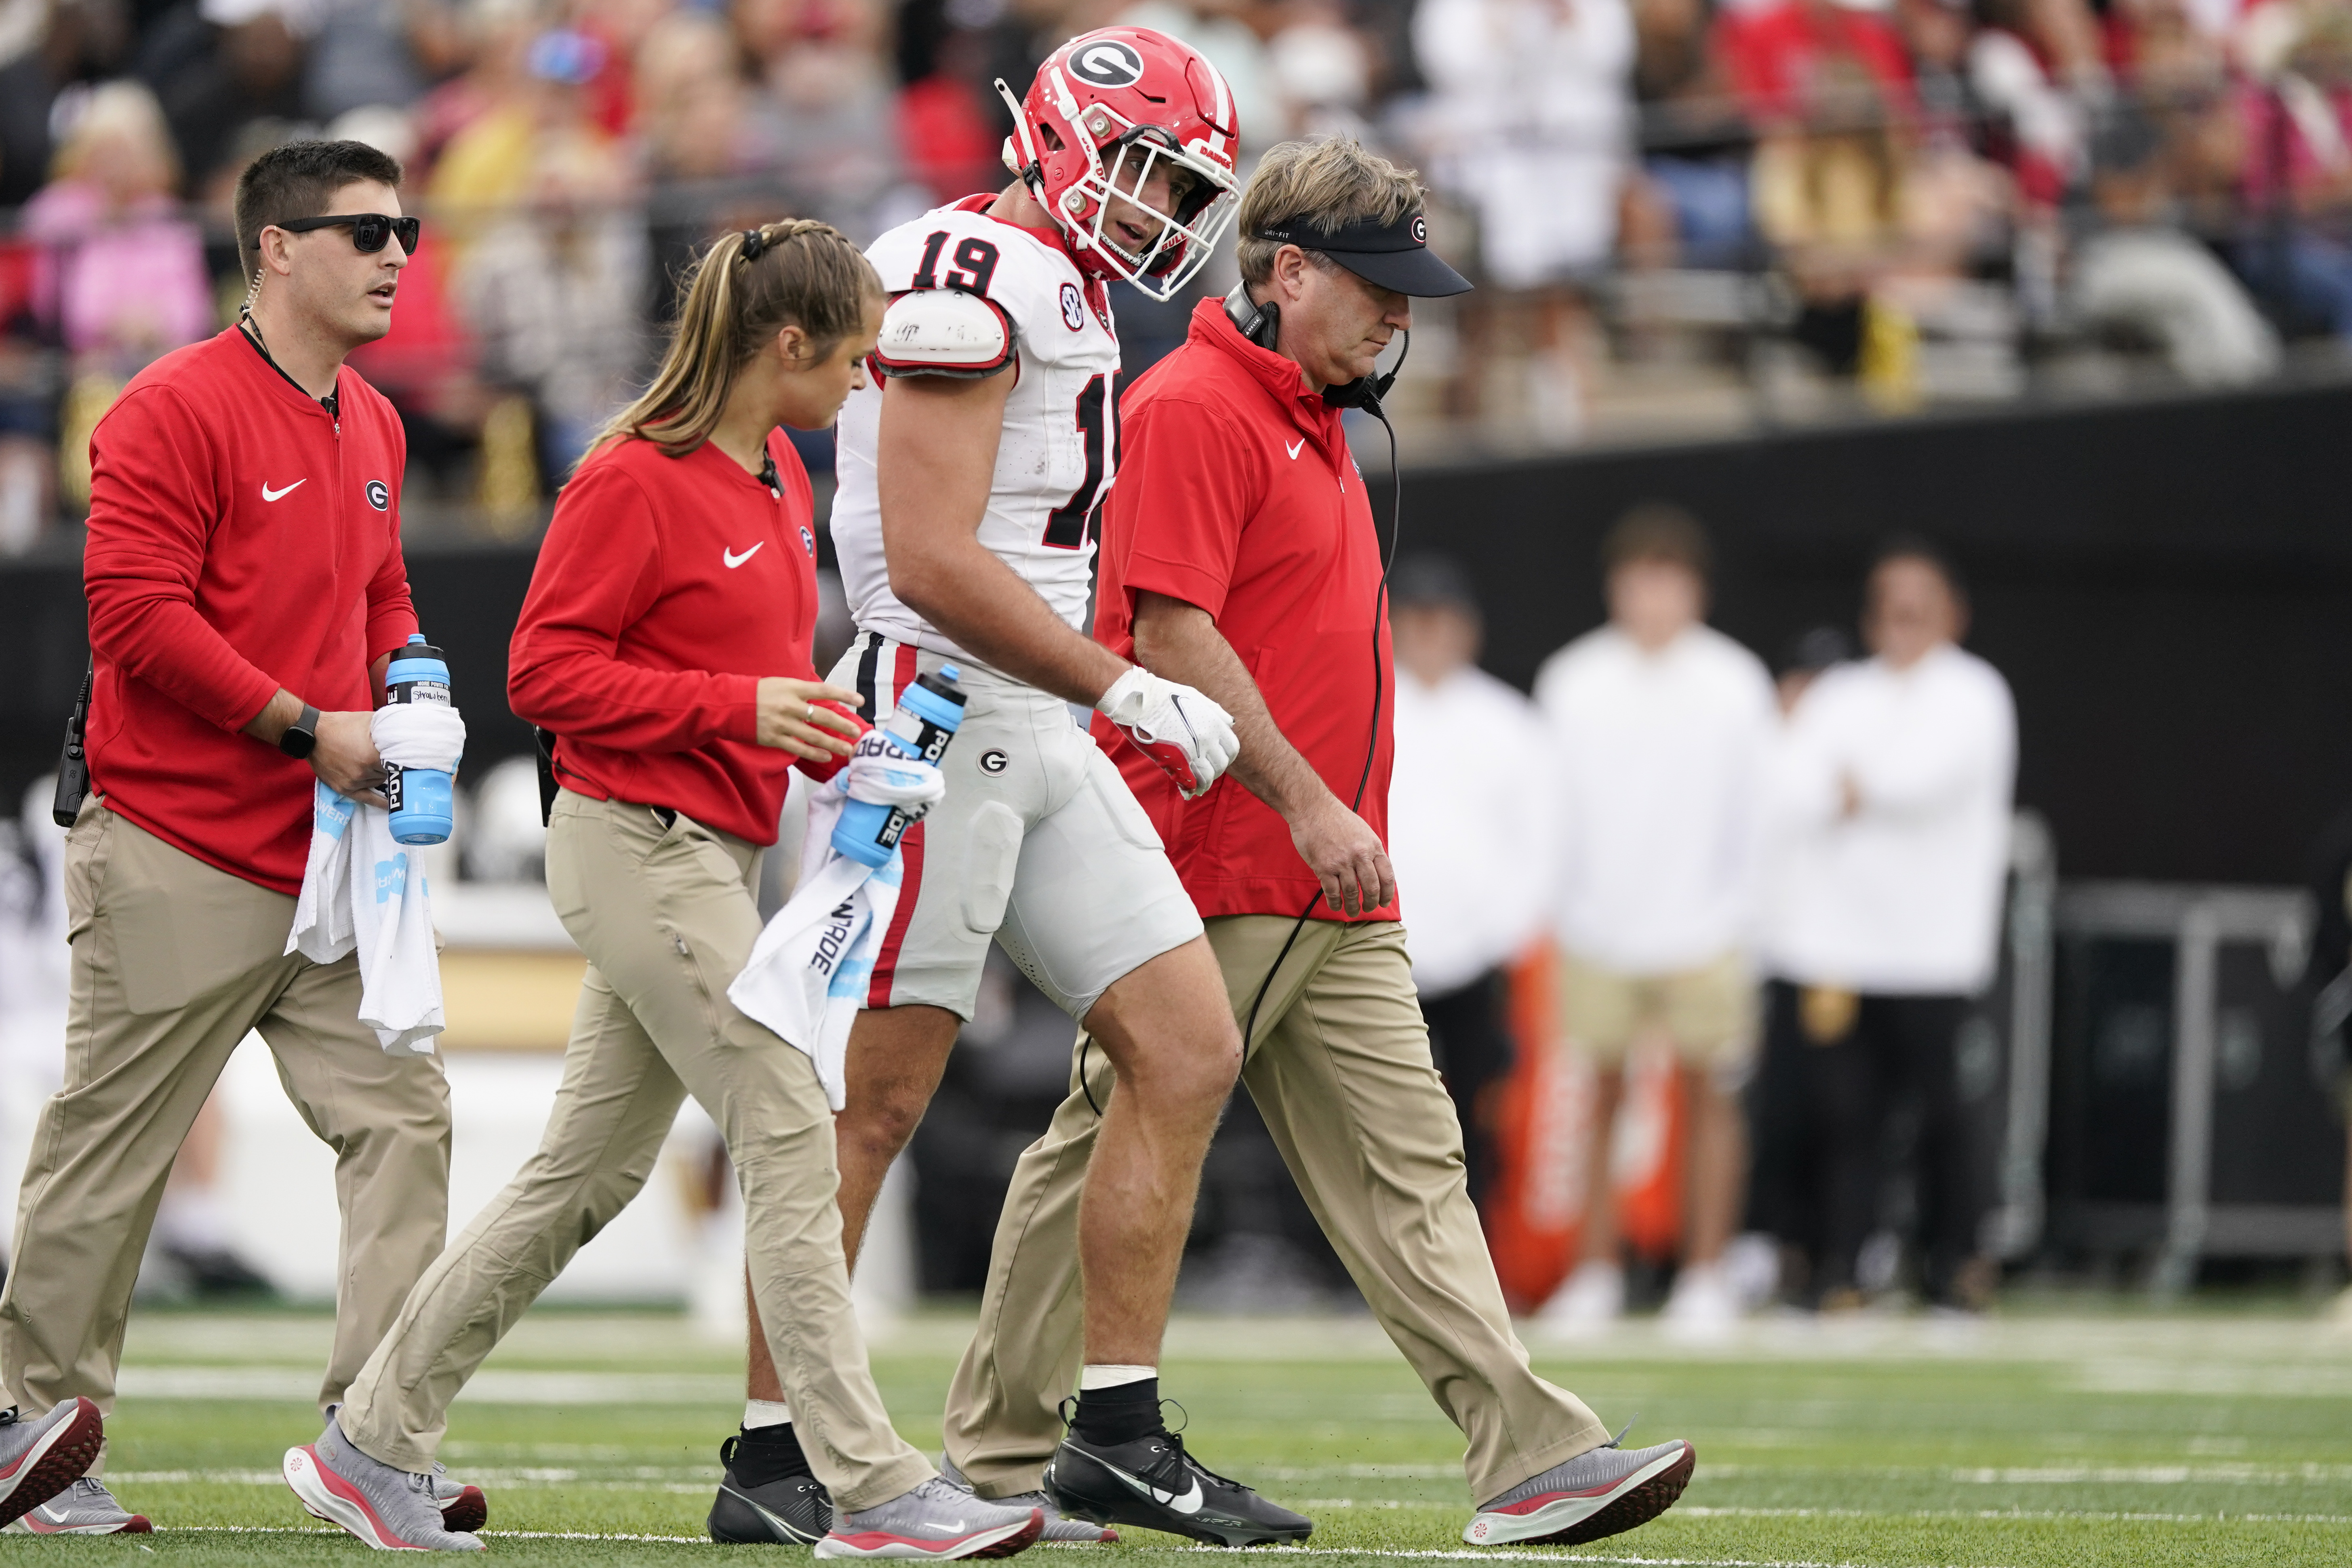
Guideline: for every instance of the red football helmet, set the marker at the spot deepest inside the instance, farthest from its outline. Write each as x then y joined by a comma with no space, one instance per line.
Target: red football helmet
1106,108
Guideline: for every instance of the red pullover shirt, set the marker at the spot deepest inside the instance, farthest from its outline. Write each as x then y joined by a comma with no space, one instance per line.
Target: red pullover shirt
1237,493
667,587
241,539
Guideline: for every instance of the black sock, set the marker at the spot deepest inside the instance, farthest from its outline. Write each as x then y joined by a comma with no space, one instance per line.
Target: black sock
767,1454
1112,1415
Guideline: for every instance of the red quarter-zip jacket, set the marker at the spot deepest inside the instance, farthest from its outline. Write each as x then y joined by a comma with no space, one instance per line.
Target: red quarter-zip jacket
241,539
1237,493
667,587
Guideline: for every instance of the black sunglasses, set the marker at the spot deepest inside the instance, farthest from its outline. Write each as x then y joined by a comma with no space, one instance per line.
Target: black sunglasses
369,230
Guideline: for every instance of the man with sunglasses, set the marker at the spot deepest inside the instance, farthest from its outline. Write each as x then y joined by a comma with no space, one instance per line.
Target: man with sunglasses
245,590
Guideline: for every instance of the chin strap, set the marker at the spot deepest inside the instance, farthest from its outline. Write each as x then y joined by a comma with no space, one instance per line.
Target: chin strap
1030,169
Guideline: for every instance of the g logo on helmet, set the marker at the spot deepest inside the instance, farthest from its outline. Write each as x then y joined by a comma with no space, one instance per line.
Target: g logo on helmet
379,495
1106,62
1420,229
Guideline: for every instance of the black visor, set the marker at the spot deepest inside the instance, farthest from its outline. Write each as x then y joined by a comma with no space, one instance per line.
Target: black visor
1390,256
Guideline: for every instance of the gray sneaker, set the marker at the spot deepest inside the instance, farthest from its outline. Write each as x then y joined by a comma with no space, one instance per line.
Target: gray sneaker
938,1520
391,1510
38,1459
1599,1493
1061,1529
85,1507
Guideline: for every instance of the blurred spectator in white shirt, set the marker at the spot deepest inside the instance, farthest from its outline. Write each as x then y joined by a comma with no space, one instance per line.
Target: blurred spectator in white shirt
1894,790
1530,122
1659,726
1472,850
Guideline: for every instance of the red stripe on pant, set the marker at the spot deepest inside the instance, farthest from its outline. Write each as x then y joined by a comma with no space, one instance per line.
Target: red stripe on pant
911,858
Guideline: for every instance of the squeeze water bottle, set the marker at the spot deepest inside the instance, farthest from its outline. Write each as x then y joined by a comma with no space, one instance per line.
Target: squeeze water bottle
923,723
419,797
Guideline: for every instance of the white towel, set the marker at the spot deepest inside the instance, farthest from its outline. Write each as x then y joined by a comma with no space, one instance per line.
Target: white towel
807,973
362,891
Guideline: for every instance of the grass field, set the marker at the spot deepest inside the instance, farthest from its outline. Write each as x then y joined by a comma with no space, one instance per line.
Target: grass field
2037,1439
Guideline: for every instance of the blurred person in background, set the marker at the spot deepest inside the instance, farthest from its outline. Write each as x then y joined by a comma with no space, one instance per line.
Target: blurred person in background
123,277
1894,791
119,275
2297,178
2142,279
827,100
216,66
1692,208
1659,723
50,47
1529,123
1826,87
1464,835
2328,983
1784,1161
554,291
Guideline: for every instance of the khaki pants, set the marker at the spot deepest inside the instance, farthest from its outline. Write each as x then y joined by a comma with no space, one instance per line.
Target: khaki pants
667,917
1340,1068
172,962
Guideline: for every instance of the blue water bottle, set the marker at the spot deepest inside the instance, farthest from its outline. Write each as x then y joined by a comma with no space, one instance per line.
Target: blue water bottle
923,724
419,797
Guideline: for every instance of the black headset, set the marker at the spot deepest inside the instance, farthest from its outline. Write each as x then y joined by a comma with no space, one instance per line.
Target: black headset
1262,324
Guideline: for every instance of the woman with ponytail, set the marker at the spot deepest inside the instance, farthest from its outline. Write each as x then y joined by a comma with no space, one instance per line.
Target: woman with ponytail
666,641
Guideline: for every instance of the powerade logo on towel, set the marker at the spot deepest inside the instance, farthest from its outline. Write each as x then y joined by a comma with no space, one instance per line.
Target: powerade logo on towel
391,878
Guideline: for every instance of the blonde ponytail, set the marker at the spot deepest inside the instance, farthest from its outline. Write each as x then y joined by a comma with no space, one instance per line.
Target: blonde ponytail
740,293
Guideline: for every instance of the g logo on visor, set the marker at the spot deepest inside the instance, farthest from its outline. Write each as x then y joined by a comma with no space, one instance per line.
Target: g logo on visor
1420,229
1108,63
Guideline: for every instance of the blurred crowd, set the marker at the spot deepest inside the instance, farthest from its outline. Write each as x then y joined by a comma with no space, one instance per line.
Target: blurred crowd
1911,199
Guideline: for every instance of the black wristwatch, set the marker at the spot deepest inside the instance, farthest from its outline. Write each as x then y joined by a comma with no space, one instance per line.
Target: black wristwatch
301,737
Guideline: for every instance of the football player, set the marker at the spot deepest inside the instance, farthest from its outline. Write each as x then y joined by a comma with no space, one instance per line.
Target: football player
970,476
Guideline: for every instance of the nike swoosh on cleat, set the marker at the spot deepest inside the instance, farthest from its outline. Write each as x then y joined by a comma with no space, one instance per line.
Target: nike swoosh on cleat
1188,1501
268,494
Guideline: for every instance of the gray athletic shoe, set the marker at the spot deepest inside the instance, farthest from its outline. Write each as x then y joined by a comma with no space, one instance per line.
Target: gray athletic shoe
38,1459
936,1520
1061,1529
1601,1492
391,1510
464,1507
85,1507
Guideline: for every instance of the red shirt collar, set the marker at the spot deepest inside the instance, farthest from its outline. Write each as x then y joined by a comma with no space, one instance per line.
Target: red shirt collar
1284,381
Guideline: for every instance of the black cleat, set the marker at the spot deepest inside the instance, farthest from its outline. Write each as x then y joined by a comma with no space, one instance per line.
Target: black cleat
793,1510
1153,1483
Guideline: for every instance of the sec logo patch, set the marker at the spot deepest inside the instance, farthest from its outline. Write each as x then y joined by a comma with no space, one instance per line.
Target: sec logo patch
1073,310
994,761
379,495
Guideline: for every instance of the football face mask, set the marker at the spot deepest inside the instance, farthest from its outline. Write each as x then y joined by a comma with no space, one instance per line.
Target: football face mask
1112,115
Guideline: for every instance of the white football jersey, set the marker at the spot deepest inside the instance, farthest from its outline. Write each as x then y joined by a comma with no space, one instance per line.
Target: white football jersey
1060,445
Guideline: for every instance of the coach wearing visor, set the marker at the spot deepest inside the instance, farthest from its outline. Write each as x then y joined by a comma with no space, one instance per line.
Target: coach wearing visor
1239,556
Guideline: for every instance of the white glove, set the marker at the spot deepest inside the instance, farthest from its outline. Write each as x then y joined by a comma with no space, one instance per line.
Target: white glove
1175,726
880,774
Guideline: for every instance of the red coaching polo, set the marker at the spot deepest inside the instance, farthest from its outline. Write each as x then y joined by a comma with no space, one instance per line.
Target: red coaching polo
241,539
667,587
1236,492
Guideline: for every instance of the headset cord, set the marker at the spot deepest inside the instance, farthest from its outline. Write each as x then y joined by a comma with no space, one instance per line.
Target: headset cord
1371,749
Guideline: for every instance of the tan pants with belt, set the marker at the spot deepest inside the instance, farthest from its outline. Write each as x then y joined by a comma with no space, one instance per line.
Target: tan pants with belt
172,962
667,916
1339,1066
